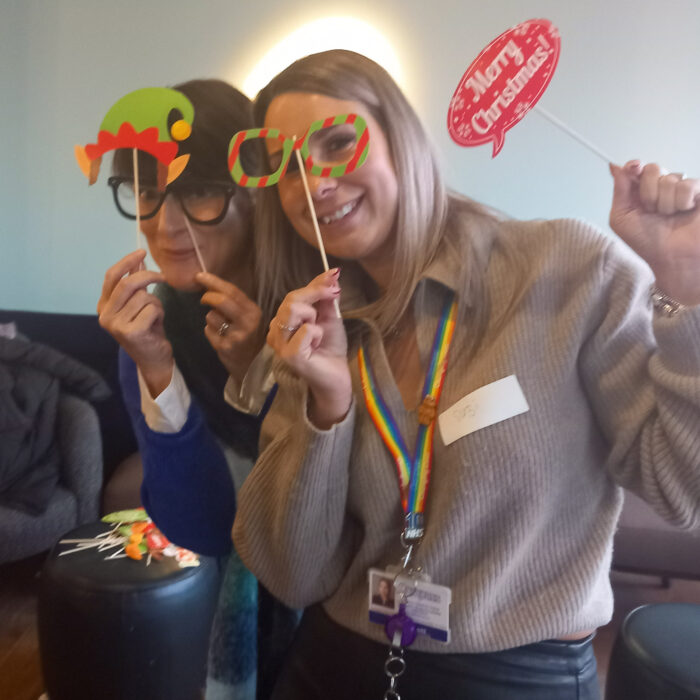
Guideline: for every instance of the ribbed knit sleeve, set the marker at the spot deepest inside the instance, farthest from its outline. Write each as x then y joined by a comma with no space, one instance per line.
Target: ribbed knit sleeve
291,528
643,380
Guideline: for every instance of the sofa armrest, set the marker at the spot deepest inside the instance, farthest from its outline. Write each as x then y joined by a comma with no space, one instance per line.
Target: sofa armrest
646,544
80,445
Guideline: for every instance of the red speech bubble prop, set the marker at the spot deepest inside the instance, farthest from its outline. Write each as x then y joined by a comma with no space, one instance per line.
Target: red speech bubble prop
503,84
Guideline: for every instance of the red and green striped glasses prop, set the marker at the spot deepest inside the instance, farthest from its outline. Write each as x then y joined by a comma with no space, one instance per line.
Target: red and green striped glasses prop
330,147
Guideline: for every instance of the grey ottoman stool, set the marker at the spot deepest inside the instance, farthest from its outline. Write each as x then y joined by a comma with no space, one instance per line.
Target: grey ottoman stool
121,630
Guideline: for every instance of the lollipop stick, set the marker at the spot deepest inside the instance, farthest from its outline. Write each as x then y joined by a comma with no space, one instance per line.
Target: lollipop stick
137,196
314,220
194,243
574,134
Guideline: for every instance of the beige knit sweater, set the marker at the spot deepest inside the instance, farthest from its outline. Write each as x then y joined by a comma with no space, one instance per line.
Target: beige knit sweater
520,515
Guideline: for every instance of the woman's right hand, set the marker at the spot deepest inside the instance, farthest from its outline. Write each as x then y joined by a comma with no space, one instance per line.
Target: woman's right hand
135,319
308,336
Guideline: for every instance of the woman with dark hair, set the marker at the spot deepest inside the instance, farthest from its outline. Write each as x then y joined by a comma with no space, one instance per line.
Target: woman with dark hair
589,389
187,347
198,332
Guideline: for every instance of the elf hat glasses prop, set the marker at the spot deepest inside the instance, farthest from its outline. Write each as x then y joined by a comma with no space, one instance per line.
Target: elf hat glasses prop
330,147
153,120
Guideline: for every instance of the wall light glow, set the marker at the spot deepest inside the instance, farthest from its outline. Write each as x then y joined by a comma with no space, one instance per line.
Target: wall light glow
322,35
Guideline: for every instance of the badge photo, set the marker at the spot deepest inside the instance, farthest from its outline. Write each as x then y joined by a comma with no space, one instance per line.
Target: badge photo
382,594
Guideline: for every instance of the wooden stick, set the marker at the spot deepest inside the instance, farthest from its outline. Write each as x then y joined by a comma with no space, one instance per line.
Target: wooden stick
116,555
194,242
81,548
574,134
107,546
135,152
314,220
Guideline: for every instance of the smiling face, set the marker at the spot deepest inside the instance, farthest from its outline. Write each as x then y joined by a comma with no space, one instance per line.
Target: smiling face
224,246
357,211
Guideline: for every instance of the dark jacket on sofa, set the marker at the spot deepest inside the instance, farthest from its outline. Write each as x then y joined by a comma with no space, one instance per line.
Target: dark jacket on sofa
32,376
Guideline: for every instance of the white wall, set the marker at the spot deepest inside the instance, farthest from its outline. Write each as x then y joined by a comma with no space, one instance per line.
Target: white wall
626,79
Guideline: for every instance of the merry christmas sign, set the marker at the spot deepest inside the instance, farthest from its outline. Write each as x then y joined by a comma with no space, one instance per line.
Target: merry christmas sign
503,84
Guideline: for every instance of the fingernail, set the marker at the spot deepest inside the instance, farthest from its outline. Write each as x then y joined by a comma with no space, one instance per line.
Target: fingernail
332,277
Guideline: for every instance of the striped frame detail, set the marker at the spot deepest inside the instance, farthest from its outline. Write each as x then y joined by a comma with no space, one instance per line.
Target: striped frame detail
289,145
234,157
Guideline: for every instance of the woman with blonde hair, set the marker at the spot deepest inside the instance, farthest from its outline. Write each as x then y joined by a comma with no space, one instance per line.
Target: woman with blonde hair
425,214
535,343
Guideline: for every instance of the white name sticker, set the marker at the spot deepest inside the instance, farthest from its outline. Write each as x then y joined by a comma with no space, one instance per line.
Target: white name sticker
490,404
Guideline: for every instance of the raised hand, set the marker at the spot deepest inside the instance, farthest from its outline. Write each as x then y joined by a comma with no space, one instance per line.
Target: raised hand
135,319
233,324
307,335
658,215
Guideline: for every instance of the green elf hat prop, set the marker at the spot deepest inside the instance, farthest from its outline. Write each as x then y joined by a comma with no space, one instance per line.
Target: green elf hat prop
139,120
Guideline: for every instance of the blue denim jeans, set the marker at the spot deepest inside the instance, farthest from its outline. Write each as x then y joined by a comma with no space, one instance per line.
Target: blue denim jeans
328,661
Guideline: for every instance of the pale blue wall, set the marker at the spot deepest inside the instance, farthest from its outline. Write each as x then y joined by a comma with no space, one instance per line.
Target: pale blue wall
627,79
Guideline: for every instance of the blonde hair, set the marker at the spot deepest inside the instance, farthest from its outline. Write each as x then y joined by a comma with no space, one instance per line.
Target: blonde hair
427,218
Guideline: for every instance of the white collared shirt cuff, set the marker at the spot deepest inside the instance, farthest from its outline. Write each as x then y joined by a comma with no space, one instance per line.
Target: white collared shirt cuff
167,412
256,385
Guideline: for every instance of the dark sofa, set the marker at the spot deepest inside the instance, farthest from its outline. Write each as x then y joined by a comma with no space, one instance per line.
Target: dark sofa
92,438
647,544
79,336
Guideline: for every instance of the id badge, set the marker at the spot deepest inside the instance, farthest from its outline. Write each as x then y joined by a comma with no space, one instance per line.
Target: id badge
425,603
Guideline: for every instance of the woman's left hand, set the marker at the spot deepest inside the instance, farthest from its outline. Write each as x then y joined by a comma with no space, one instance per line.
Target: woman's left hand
233,324
658,215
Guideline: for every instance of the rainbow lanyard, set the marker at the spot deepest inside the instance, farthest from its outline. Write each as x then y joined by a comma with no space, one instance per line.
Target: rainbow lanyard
413,471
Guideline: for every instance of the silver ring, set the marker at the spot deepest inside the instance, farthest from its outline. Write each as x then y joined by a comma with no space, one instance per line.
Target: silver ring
223,328
282,327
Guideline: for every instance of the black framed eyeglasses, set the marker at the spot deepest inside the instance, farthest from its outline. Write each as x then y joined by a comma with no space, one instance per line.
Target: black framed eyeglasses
203,201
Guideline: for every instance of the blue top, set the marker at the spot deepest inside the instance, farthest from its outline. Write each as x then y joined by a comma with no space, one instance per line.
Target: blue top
187,487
